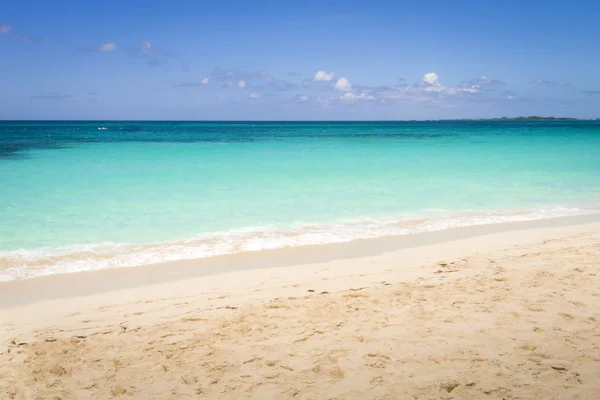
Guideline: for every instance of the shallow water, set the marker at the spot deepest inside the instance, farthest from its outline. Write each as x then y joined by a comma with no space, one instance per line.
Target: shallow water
89,195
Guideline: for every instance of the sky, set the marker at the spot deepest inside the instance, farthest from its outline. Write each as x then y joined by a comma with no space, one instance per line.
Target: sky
298,60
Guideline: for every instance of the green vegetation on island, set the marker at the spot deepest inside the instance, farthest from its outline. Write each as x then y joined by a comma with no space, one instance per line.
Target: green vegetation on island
530,118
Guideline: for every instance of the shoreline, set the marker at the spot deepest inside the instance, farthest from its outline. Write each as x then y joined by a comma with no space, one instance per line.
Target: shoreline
84,283
22,264
495,312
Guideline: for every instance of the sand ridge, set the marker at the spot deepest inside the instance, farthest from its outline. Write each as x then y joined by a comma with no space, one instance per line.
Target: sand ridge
517,323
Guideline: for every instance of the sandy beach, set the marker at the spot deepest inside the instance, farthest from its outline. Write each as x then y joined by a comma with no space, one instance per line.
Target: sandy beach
507,312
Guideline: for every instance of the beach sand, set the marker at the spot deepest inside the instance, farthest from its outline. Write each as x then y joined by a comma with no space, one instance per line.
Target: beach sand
501,315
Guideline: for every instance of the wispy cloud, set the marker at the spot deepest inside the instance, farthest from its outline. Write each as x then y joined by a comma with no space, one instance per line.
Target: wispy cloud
146,48
509,95
541,82
24,38
353,98
32,40
151,54
228,75
591,92
201,83
224,75
254,80
108,47
481,82
52,96
281,85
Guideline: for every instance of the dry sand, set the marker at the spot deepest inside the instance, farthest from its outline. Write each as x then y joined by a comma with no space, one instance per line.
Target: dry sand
513,315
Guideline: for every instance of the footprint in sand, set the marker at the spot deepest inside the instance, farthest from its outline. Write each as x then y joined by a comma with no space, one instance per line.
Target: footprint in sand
376,360
566,316
330,368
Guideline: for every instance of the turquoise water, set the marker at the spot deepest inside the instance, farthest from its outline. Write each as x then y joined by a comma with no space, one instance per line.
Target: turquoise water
88,195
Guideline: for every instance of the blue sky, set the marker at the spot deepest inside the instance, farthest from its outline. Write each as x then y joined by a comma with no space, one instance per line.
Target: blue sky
282,60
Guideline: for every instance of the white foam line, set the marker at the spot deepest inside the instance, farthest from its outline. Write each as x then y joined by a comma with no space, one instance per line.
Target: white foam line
23,264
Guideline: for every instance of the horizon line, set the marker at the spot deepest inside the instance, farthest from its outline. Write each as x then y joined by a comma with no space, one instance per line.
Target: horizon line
490,119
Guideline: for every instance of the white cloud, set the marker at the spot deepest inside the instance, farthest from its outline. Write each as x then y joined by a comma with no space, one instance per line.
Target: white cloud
429,89
254,96
108,47
204,81
343,84
431,78
511,97
5,29
324,76
432,84
301,97
242,84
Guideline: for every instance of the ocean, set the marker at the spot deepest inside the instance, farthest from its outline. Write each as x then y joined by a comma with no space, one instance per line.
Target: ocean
78,196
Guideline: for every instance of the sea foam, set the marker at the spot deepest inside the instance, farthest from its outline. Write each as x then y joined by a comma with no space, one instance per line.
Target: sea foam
24,264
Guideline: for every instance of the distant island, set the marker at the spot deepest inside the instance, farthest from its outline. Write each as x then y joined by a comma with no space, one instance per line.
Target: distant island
531,118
